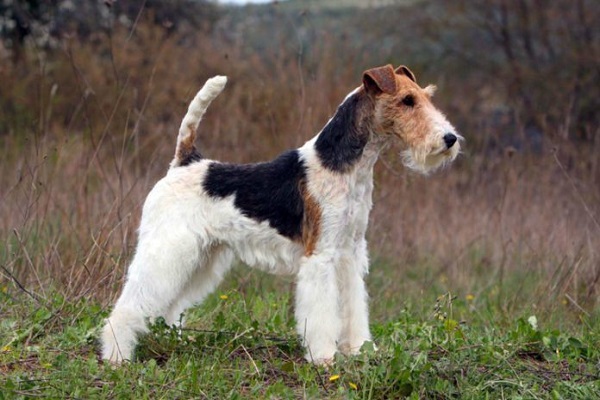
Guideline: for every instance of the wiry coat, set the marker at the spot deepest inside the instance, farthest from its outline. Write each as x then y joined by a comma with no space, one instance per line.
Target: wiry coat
304,213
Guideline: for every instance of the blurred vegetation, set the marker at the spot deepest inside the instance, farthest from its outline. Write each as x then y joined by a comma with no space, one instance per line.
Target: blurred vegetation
92,94
528,68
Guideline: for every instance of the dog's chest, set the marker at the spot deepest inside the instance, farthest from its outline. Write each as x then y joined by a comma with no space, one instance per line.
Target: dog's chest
358,206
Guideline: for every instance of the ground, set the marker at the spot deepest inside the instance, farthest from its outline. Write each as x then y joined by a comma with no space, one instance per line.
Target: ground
431,343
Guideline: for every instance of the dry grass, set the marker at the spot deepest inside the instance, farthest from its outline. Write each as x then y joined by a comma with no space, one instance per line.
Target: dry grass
87,131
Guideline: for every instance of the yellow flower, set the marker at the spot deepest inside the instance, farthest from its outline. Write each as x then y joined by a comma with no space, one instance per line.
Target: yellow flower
223,297
6,349
470,297
352,385
334,378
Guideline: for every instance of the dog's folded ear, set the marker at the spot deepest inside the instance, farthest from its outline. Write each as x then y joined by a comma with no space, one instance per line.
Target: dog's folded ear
403,70
380,80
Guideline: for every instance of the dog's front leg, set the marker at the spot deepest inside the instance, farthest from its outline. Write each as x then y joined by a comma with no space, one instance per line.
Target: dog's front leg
354,266
317,314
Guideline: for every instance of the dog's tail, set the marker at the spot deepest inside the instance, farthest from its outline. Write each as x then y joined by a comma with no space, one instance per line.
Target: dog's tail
186,151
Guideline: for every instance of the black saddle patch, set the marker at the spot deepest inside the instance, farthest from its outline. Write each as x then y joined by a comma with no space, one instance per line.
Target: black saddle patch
268,191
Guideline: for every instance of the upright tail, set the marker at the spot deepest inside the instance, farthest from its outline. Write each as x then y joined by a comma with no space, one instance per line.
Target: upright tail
186,151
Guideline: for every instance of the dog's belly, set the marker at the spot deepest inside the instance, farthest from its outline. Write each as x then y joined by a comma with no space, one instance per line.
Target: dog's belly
274,255
260,246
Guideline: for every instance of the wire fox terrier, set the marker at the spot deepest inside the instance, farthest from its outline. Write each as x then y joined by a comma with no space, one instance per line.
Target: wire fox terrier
304,213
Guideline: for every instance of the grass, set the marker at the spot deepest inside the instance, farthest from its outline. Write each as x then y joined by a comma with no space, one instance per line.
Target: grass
241,344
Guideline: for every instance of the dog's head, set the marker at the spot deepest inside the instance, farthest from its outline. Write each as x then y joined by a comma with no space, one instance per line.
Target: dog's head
403,109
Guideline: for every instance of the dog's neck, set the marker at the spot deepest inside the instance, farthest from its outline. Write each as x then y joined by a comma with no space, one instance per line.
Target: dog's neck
348,142
371,152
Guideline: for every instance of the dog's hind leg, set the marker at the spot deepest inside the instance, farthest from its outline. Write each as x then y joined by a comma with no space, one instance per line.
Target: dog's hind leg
202,283
164,263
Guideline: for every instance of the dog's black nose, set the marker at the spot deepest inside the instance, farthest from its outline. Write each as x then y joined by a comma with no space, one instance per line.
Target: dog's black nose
450,139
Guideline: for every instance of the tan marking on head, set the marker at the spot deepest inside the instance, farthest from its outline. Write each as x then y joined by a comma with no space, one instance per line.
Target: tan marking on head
405,113
403,70
409,114
311,221
380,80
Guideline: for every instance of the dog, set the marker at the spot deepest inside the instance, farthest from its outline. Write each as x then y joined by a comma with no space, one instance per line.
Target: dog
304,213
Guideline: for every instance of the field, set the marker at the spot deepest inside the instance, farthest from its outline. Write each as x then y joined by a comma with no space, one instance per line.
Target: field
485,276
241,344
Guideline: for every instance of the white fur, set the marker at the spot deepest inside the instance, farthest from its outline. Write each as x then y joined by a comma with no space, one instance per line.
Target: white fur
188,241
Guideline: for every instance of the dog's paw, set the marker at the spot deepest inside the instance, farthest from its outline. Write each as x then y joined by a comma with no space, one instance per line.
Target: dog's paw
358,346
323,358
323,362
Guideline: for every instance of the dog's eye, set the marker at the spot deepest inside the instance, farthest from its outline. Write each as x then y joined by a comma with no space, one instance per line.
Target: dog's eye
408,100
